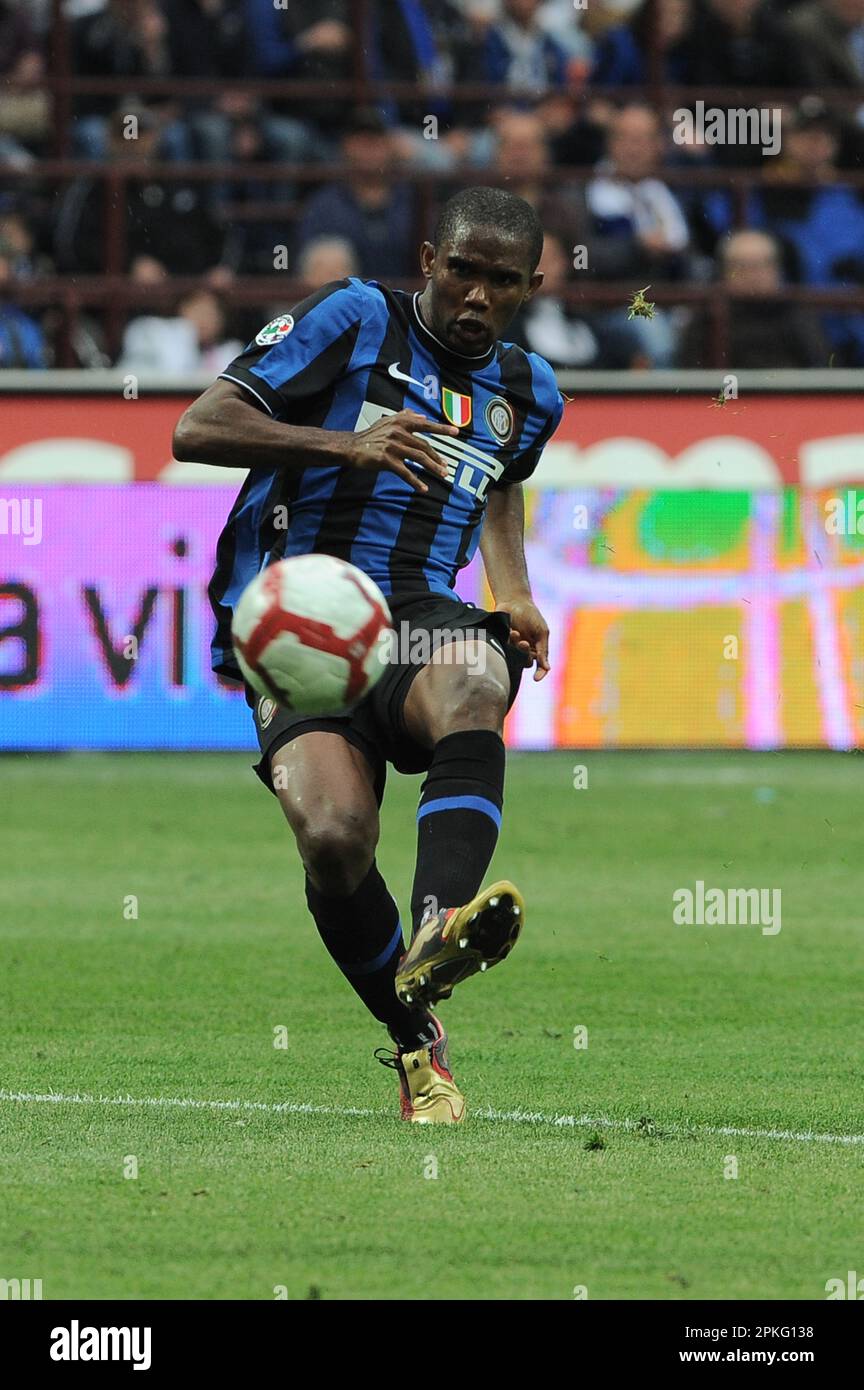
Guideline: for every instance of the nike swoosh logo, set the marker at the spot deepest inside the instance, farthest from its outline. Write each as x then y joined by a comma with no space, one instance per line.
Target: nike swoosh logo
393,370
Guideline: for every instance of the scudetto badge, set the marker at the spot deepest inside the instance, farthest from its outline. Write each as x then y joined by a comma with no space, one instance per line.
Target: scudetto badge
274,330
266,711
499,419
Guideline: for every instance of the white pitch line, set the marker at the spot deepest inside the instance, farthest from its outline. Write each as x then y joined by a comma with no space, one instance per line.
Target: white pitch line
286,1107
485,1112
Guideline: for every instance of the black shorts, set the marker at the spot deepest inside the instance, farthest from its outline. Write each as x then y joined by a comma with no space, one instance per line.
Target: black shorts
376,725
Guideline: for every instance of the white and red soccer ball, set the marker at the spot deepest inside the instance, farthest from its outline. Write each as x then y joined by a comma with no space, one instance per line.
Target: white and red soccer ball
312,633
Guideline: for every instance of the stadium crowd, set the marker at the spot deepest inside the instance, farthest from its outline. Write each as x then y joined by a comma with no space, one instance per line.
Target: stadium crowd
558,74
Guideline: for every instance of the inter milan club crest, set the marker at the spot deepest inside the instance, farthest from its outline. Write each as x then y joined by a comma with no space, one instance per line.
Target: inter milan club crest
499,419
275,329
266,711
456,407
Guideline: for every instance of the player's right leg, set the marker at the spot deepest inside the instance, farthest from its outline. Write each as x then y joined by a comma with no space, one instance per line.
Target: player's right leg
326,788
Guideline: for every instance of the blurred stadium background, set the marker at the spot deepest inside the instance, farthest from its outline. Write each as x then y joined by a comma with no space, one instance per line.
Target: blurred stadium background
173,173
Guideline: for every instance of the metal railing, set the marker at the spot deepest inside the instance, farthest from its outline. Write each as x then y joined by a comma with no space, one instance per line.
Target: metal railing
115,297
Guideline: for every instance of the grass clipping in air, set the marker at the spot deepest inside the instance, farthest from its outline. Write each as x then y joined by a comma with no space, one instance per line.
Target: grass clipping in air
640,307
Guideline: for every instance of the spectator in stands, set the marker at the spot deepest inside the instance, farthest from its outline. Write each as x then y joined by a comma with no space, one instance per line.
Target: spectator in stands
252,137
236,38
548,324
518,142
522,156
328,258
19,240
126,39
738,43
468,58
254,240
310,41
429,43
194,341
72,9
621,54
576,126
371,212
522,55
827,41
40,12
23,105
22,343
205,38
600,16
169,229
819,219
637,229
563,20
828,37
763,332
808,156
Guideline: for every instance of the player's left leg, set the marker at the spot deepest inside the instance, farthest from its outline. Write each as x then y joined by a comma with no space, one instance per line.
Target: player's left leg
456,708
330,793
326,787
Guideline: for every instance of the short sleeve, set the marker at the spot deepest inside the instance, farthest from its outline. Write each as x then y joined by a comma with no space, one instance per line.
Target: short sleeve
542,422
301,353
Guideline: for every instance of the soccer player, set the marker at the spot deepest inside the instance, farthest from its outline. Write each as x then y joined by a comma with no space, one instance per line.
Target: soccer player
389,430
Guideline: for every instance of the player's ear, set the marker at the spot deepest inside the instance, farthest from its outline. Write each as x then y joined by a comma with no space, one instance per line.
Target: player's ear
427,258
534,284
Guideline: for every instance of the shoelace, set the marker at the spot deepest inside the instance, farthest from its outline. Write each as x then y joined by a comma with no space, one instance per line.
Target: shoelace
387,1058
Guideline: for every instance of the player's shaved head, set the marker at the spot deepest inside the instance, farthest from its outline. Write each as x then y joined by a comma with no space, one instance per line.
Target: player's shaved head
482,207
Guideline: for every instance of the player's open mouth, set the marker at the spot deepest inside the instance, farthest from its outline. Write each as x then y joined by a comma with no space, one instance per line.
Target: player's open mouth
473,330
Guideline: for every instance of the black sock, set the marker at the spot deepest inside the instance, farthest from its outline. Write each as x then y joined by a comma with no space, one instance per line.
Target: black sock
363,934
458,820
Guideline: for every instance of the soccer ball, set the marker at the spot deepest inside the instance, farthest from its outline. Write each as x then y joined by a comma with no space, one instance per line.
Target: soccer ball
312,633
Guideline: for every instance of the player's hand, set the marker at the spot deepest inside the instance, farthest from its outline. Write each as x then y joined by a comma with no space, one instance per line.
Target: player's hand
390,441
528,631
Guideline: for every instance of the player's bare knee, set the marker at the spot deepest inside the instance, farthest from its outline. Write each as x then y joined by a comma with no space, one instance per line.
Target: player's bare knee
337,850
477,700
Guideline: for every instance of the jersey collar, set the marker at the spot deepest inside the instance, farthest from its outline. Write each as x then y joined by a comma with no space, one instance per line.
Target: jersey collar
470,362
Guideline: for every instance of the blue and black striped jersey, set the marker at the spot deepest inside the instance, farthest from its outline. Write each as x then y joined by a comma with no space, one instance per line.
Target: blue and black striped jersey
343,358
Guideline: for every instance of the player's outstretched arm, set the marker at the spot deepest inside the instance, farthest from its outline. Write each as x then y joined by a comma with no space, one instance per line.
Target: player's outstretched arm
225,427
502,546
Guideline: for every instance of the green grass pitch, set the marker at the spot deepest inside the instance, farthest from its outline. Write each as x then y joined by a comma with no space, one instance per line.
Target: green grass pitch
690,1030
